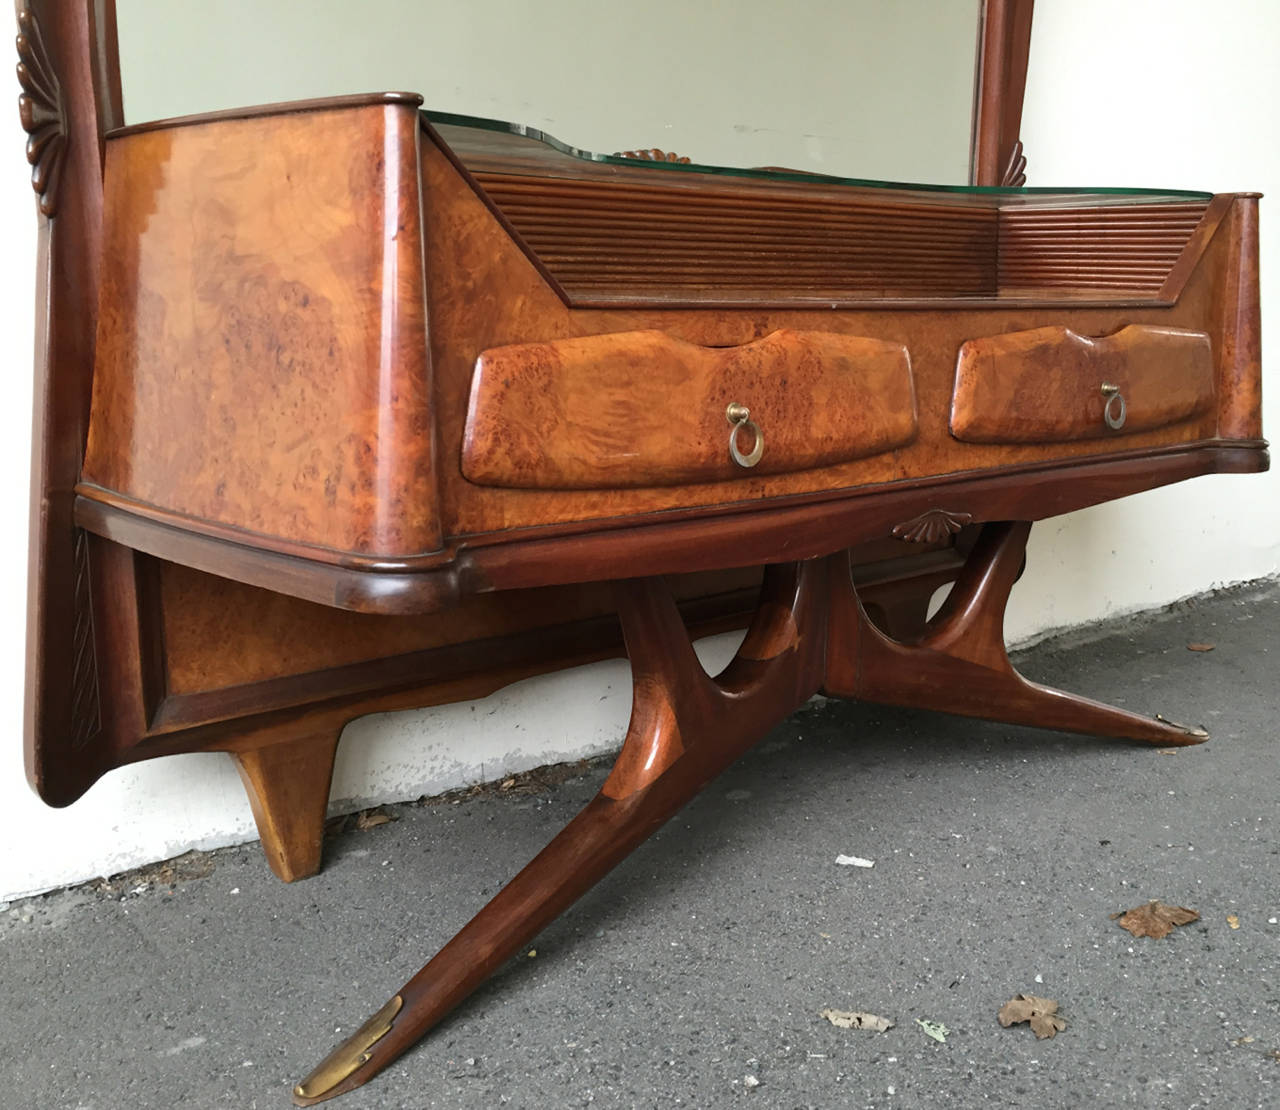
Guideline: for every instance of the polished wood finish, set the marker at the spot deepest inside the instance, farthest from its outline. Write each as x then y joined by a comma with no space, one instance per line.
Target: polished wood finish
730,535
1128,250
810,632
1046,385
268,469
685,728
644,409
740,241
1239,347
1003,51
287,780
293,355
66,99
355,520
958,664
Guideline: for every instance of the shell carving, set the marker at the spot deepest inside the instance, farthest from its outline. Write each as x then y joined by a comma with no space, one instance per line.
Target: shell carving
1015,173
931,527
653,154
41,110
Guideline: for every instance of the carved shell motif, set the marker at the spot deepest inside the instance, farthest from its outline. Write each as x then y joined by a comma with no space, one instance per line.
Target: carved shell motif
653,154
41,110
1015,173
930,527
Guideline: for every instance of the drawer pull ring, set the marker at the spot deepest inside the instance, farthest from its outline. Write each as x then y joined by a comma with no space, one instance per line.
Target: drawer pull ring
740,417
1115,410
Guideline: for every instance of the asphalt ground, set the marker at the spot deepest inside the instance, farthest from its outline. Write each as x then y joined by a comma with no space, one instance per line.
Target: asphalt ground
695,974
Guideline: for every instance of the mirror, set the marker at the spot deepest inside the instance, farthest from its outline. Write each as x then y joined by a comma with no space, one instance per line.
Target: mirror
856,88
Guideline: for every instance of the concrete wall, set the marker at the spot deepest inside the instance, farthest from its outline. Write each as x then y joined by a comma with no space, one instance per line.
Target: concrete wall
1168,93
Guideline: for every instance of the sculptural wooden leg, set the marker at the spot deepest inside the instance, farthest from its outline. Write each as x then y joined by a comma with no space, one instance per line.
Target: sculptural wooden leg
685,728
288,784
958,664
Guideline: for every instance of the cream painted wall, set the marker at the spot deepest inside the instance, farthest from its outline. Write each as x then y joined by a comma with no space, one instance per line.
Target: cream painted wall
1092,117
1178,94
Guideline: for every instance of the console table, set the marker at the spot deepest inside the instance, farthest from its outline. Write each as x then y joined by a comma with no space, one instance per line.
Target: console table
385,406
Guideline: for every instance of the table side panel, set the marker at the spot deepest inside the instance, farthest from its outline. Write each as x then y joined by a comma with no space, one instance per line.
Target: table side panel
261,358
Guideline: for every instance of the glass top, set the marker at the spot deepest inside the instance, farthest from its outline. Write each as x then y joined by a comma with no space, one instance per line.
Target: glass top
497,146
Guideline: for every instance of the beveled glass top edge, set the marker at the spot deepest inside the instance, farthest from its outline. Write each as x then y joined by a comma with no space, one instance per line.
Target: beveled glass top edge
452,119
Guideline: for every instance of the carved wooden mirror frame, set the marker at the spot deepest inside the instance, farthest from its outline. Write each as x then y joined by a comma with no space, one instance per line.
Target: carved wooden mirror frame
97,693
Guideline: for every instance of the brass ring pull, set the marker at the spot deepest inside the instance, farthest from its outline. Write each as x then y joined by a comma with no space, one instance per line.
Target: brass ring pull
1115,411
739,416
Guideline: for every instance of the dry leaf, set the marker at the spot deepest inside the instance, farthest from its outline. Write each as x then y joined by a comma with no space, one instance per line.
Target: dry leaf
372,818
1155,919
934,1029
1201,647
1233,921
854,1019
1042,1013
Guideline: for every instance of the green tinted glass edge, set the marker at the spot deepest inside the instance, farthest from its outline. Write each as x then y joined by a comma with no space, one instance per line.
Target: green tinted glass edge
480,123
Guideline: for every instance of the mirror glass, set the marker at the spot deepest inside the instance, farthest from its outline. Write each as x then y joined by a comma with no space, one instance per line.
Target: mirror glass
855,88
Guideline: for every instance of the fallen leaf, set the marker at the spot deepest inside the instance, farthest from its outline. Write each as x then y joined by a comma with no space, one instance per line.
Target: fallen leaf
1243,1040
1041,1013
1155,919
372,818
1201,647
855,1019
854,861
1233,921
507,784
934,1029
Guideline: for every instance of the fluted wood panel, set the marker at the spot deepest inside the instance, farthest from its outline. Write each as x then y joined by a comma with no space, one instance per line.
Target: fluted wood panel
602,241
1123,248
608,241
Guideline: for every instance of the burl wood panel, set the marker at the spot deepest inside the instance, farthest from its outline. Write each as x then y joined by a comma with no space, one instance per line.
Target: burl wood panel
1044,385
642,408
1239,377
217,633
261,356
485,291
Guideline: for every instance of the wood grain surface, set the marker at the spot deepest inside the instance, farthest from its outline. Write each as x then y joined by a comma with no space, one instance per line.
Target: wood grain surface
646,409
262,357
1045,385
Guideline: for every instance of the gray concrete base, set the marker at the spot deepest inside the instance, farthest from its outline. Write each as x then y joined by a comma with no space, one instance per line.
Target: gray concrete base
1000,853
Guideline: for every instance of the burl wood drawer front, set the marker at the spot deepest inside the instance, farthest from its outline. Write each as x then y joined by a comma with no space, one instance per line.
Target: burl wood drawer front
642,408
1052,385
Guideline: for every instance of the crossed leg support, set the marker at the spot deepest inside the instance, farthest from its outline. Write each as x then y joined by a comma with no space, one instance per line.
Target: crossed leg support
810,632
958,664
685,728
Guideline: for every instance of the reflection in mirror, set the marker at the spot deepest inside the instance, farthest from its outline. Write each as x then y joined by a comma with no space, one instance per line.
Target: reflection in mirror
856,88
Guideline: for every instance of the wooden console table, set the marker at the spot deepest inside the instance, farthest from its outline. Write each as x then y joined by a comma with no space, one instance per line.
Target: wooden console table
347,406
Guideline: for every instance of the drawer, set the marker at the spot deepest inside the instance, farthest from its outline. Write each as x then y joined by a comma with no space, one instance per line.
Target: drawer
1052,385
644,408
